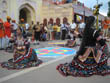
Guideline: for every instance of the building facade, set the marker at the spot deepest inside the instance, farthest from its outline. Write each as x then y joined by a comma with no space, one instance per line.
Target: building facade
56,13
43,11
30,10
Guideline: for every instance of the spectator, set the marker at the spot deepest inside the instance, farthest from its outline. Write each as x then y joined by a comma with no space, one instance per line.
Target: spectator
7,26
14,26
54,31
2,35
37,31
105,26
50,30
58,32
73,25
81,27
64,31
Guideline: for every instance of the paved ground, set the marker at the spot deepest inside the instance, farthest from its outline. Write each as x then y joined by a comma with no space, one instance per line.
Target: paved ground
4,56
45,73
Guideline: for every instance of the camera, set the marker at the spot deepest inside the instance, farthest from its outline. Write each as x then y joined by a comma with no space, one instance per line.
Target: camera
98,6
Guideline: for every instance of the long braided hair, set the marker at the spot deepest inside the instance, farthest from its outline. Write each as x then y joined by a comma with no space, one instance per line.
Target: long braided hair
86,34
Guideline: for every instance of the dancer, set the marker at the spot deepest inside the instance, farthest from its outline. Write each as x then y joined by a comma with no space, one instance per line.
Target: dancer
24,56
91,59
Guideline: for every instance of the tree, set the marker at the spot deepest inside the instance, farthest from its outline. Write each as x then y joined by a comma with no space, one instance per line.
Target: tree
108,14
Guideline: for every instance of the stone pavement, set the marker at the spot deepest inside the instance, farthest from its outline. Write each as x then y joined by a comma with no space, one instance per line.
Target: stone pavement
4,56
46,72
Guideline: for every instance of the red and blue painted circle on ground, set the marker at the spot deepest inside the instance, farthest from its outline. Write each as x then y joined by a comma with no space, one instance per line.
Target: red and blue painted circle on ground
54,52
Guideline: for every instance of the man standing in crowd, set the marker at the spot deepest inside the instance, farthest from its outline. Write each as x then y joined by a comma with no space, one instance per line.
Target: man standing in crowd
64,31
109,27
15,26
73,27
81,27
58,32
27,27
7,26
54,31
23,27
37,31
2,35
50,29
105,24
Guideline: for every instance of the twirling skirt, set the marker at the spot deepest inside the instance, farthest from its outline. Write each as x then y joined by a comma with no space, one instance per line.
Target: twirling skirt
85,69
22,61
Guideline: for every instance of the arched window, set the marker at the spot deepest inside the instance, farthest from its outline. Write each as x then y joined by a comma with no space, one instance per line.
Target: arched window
4,14
4,4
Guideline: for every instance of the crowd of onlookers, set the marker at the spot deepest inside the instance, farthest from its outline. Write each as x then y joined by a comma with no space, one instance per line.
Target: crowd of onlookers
41,32
56,31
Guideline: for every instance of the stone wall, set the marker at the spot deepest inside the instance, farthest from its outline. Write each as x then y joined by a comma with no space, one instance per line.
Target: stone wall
57,11
3,9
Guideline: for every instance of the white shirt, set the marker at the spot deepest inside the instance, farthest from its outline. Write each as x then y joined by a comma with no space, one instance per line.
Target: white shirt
27,26
45,28
15,26
63,27
71,36
82,25
73,26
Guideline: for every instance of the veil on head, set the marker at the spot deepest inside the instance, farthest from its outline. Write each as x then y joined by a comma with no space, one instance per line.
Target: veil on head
89,24
86,34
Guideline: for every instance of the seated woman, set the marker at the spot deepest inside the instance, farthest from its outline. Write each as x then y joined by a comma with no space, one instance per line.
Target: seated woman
72,41
24,56
91,59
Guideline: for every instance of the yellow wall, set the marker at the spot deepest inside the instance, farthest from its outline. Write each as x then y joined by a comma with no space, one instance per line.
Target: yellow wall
55,11
39,10
13,12
14,7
